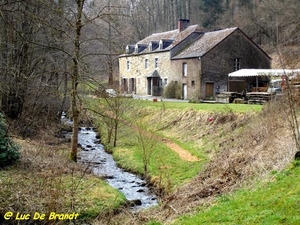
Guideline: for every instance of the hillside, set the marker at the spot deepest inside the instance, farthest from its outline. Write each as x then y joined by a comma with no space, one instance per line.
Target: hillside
242,148
249,150
272,201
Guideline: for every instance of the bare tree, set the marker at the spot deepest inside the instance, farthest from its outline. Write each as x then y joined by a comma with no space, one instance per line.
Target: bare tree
146,140
112,108
75,79
30,71
76,76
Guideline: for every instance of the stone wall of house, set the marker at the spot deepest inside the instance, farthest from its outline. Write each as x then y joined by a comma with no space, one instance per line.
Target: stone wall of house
138,71
192,78
205,78
219,62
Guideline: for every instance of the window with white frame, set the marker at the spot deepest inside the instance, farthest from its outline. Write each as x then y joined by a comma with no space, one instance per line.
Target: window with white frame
161,44
184,69
166,81
156,63
236,64
136,48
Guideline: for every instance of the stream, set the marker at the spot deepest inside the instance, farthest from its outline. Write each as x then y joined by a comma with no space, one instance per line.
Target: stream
102,164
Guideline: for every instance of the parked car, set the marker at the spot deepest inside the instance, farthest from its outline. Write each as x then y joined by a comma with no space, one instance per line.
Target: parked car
111,92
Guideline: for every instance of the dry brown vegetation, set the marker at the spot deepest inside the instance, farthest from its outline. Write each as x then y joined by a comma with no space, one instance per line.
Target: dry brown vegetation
46,181
245,149
34,184
263,144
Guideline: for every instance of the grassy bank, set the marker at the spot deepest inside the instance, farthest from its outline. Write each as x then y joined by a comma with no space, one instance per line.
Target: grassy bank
45,181
271,202
236,146
156,120
166,168
237,108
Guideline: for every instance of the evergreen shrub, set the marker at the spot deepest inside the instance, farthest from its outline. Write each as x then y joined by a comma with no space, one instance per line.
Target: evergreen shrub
173,90
9,151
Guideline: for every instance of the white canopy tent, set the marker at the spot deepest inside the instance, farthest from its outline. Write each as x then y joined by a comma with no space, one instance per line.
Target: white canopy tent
263,72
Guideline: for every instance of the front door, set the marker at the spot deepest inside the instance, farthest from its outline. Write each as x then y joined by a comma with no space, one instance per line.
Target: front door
154,86
131,86
209,90
184,90
149,86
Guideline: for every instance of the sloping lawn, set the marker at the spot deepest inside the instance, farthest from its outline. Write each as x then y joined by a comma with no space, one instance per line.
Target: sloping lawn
238,108
273,202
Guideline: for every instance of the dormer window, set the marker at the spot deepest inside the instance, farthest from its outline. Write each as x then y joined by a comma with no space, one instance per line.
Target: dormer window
129,49
140,47
153,45
164,43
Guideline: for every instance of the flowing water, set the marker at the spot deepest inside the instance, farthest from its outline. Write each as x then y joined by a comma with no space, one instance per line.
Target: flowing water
103,164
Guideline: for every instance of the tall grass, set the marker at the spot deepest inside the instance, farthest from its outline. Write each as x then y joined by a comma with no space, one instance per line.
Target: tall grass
45,181
273,202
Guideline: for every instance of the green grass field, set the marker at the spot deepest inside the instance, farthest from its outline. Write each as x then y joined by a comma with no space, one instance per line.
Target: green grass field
166,167
238,108
274,202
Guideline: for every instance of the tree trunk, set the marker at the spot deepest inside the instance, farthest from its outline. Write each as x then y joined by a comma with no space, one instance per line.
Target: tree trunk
75,81
116,132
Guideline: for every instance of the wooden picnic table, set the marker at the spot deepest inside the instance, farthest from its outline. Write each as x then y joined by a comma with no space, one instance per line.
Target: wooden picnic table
258,97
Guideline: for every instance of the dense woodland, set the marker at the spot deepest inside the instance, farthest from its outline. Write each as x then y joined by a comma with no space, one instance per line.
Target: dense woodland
49,48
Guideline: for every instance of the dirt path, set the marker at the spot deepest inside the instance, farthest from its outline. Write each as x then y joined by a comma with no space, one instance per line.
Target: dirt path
183,154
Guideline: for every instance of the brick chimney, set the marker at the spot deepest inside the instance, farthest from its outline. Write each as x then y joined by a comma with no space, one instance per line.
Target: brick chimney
182,24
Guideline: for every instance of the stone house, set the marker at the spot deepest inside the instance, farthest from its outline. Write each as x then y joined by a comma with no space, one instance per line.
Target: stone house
199,61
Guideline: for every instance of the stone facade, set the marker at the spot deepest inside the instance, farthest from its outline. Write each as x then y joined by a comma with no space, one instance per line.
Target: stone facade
141,72
199,61
191,80
220,61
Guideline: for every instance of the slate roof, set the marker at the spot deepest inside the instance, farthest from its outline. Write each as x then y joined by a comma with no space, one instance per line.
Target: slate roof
153,74
204,43
171,35
172,38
